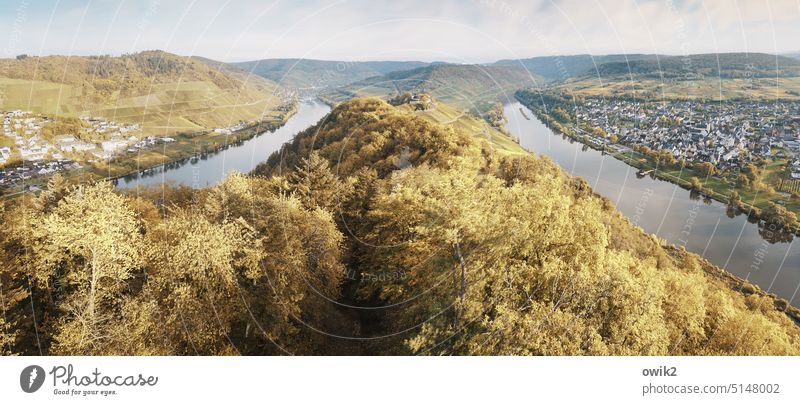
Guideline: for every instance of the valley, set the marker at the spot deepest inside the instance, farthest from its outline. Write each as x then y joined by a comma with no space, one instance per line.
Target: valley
433,179
102,117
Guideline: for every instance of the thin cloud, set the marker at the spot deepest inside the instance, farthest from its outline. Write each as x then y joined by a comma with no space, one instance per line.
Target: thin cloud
419,29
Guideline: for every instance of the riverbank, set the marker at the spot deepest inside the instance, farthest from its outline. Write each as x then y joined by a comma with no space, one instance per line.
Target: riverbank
185,148
739,284
242,153
736,249
751,203
188,147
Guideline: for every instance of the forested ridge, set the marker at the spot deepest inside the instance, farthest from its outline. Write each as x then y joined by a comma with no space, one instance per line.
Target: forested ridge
374,232
103,77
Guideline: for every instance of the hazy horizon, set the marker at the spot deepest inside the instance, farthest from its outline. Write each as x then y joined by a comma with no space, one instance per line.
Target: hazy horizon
455,32
786,54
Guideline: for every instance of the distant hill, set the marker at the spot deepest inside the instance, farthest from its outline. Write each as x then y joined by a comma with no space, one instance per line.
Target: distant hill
556,68
724,65
310,73
722,76
161,91
795,55
472,88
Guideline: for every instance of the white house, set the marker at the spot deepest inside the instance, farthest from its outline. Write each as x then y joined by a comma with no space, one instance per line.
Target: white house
33,153
5,152
102,154
113,145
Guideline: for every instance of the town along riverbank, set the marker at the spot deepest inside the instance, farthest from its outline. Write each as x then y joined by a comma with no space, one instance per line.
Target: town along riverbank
737,243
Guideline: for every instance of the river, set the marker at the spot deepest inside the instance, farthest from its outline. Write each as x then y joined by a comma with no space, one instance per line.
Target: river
669,211
242,157
657,206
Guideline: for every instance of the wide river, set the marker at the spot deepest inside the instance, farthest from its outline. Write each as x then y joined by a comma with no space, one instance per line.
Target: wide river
242,157
657,206
668,211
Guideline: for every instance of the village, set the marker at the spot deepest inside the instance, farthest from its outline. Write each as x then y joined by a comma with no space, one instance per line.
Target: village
727,135
28,148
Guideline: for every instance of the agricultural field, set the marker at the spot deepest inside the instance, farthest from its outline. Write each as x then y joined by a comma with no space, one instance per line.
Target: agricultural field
163,93
786,88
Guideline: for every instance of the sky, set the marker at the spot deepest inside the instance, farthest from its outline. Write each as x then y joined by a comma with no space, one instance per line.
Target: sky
428,30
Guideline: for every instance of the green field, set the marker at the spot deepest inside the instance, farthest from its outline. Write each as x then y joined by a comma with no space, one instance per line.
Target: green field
716,187
164,93
167,109
787,88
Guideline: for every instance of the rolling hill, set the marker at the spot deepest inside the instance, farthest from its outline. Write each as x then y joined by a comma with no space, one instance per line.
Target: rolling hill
557,68
464,249
310,73
165,93
705,76
437,203
471,88
723,65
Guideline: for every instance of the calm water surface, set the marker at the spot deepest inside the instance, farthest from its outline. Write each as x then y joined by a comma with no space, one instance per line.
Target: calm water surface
242,157
669,211
657,206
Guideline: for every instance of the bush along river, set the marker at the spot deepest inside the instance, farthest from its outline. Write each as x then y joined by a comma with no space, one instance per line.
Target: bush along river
243,156
709,228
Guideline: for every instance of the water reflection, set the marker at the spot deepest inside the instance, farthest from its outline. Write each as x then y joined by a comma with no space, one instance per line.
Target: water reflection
212,166
731,239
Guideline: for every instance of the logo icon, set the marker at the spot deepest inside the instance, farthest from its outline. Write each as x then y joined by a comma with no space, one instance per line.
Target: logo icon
31,378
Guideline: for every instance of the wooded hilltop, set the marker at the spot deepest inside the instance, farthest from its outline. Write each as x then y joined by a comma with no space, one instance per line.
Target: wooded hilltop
373,232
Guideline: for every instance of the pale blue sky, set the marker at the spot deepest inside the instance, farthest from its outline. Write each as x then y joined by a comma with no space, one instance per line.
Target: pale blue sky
457,31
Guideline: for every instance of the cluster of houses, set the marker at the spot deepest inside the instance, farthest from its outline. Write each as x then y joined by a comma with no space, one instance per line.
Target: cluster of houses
724,134
231,129
12,176
23,128
108,148
101,126
41,156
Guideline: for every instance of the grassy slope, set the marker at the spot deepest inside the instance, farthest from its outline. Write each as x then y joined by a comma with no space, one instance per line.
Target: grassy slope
472,88
448,115
556,68
164,93
306,73
708,76
705,88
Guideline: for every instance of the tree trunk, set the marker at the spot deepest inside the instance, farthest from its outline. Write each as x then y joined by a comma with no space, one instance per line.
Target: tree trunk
92,289
463,286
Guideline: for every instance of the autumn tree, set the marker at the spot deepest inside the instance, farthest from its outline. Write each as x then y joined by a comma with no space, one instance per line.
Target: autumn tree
706,169
316,185
87,249
194,271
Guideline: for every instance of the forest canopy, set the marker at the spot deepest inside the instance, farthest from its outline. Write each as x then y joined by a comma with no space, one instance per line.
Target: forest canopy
374,232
